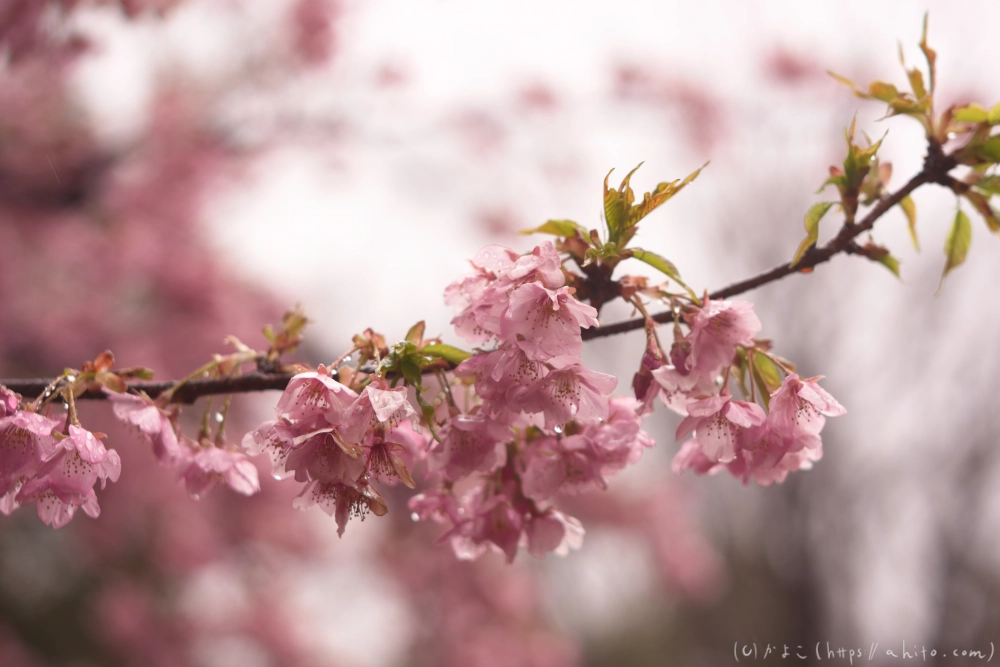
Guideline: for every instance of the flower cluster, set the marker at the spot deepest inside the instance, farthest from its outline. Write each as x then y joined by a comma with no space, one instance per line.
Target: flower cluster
44,462
202,464
539,422
338,441
732,434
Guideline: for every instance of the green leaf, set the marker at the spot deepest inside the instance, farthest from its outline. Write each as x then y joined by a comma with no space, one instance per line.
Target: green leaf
416,333
991,148
982,205
971,113
882,91
662,193
889,262
994,117
447,352
813,216
916,82
931,57
957,244
990,185
617,203
621,213
658,262
565,228
411,370
847,82
910,209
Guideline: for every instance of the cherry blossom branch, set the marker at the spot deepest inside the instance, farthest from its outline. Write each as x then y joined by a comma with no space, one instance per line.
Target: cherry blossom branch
935,170
937,166
189,392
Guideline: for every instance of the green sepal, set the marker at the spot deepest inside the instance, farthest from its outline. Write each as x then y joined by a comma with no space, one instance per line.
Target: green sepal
449,353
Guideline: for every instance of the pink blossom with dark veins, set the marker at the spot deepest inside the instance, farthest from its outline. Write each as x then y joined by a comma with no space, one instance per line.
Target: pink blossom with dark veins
26,441
574,392
718,422
799,408
341,501
546,323
309,395
66,480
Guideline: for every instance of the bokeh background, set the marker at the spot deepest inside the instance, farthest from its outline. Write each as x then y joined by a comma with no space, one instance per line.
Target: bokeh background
175,171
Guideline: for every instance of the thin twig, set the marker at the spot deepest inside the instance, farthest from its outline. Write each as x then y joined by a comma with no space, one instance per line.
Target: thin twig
936,168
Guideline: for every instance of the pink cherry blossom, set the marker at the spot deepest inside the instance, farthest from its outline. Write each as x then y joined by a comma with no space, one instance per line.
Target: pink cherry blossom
483,296
691,456
8,402
543,263
495,260
499,523
762,455
470,443
273,438
26,441
716,330
210,466
66,480
766,469
378,405
718,422
502,377
680,389
553,531
154,423
325,457
618,440
481,305
309,395
440,506
546,323
555,464
574,392
341,501
383,463
799,408
578,462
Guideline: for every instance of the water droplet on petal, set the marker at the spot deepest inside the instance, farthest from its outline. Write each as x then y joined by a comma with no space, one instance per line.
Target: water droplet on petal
558,429
414,517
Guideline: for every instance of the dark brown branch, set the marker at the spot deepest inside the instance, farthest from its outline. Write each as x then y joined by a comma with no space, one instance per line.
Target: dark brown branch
188,393
936,168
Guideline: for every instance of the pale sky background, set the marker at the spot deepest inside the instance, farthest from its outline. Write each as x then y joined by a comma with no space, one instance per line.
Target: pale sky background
369,230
